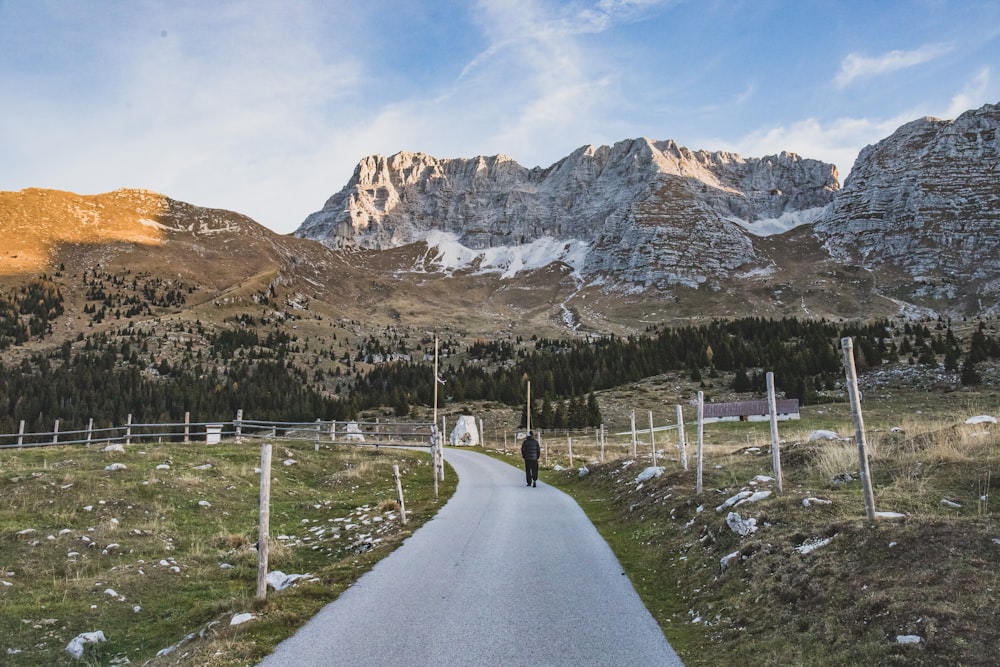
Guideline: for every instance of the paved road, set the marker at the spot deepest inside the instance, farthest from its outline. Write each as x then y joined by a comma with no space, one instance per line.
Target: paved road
503,575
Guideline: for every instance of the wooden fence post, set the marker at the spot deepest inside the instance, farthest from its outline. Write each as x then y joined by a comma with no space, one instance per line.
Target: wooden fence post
569,447
90,429
316,440
680,438
55,433
635,445
701,440
602,443
128,431
399,494
239,426
434,457
187,428
859,425
20,434
652,439
264,526
772,406
444,429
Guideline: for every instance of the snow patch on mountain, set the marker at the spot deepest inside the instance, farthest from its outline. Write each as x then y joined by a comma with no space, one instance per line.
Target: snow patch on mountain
783,223
448,255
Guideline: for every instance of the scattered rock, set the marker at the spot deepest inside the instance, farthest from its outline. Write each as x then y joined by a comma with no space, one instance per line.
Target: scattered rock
116,466
78,643
908,639
812,545
842,478
807,502
741,526
239,619
981,419
949,503
725,561
114,448
584,471
823,435
204,503
649,473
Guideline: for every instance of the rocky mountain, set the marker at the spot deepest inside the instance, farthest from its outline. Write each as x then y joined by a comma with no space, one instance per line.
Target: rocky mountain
641,213
921,209
918,216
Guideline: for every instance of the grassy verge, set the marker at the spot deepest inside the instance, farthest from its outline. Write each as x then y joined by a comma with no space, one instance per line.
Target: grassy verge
816,583
160,554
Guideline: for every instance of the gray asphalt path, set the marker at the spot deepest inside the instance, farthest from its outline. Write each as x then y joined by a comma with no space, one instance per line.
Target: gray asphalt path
503,575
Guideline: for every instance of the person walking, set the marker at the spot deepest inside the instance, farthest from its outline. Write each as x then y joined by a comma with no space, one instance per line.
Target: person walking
530,452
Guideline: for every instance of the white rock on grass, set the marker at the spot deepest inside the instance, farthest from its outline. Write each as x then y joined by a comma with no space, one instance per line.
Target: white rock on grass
810,546
732,500
726,560
240,619
981,419
741,526
823,435
116,466
114,448
950,503
810,501
204,503
649,473
78,643
279,581
163,466
908,639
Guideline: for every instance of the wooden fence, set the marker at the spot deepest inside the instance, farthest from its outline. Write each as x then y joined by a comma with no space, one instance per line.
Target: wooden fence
375,433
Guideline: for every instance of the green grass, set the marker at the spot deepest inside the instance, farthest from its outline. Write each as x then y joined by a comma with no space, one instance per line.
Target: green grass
72,531
933,574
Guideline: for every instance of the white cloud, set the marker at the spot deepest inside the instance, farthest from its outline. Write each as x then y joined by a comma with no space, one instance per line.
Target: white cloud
838,141
857,66
973,95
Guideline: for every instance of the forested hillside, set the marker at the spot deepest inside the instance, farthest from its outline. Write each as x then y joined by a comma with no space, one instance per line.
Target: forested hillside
159,374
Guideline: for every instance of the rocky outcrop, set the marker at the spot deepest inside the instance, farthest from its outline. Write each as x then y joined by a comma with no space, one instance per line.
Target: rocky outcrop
651,212
922,209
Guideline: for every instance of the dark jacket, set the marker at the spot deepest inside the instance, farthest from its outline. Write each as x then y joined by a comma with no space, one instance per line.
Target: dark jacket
530,449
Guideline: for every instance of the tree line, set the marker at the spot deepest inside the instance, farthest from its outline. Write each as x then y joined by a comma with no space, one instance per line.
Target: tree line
108,378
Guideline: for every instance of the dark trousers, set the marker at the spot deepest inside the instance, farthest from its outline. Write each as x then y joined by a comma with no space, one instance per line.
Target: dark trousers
531,470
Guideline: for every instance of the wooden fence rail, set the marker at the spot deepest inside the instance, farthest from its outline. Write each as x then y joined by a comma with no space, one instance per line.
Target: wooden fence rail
350,432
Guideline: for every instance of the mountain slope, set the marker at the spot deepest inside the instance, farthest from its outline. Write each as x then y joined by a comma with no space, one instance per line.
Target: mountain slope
921,209
649,212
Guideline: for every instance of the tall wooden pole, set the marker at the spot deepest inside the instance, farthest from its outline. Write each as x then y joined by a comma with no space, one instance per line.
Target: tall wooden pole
772,406
528,407
635,445
701,440
859,425
264,527
652,441
680,438
435,436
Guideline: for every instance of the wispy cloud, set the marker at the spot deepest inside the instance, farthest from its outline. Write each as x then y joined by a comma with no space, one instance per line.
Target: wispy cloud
973,94
856,66
836,141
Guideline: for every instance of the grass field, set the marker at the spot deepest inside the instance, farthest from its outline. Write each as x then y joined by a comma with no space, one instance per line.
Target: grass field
816,583
160,553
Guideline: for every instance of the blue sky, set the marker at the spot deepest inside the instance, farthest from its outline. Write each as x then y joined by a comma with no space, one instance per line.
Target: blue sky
265,107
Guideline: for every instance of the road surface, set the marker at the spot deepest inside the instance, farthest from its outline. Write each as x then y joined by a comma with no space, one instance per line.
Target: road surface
505,574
